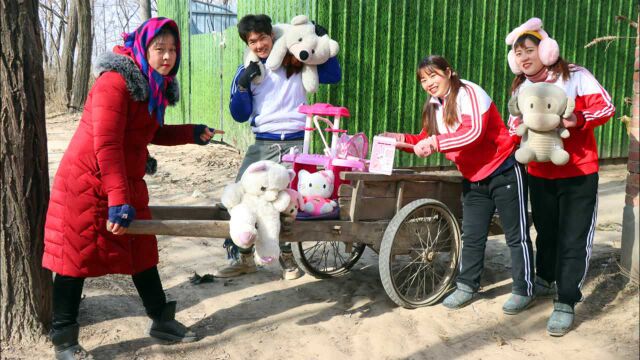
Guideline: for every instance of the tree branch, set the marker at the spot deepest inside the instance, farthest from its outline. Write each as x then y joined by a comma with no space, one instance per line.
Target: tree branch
54,13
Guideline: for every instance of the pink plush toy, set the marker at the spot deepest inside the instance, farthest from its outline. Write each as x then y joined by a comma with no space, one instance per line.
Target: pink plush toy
316,189
294,205
548,49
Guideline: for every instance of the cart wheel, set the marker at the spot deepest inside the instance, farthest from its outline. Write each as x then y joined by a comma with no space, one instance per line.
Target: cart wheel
419,253
326,259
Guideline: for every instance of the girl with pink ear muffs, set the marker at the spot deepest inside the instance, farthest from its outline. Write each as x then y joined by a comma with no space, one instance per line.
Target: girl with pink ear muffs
548,49
564,199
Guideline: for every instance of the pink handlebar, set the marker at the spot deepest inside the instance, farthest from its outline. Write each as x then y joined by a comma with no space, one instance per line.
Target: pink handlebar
324,109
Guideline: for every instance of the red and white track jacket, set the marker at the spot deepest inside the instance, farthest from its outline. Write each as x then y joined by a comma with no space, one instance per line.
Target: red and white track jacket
479,142
593,108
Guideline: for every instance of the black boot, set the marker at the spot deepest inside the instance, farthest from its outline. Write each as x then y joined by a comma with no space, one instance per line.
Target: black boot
166,327
65,342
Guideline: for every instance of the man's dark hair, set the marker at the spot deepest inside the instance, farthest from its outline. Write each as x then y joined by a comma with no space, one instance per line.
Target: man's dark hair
254,23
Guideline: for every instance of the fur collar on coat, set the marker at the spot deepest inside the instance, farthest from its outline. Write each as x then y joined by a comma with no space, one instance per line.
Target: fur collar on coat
136,83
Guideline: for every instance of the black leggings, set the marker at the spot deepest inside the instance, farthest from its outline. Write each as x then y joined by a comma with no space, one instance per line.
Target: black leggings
67,293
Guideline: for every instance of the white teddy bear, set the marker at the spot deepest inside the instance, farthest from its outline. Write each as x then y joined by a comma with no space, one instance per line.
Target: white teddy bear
316,190
300,39
255,204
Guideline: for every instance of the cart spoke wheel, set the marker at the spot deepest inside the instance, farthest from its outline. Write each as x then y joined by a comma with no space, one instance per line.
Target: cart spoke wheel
419,253
326,259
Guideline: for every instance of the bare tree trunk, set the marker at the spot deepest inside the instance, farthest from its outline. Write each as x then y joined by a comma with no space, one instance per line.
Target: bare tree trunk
629,259
58,38
25,287
145,10
65,76
83,68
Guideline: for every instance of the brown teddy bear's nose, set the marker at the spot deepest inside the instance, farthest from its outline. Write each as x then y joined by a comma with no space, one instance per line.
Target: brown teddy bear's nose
304,55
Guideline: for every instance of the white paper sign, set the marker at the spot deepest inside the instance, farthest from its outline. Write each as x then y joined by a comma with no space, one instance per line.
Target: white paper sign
383,153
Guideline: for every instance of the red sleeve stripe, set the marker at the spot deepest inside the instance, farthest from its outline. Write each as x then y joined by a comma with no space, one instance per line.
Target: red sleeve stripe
476,124
607,110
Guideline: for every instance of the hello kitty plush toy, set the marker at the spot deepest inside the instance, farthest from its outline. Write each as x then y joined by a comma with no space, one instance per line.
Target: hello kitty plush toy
316,189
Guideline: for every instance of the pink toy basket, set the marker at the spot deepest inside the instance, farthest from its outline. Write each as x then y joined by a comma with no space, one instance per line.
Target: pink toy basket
344,153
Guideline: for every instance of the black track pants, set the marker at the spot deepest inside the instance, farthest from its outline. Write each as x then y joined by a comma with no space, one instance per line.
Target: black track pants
506,192
564,214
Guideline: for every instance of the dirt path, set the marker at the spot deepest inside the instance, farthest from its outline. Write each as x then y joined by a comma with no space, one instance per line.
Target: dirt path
262,317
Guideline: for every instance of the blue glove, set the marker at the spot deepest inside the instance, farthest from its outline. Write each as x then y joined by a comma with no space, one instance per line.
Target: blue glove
197,131
122,214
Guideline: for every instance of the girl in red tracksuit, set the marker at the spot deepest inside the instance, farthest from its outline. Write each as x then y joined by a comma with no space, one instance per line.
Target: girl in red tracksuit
461,121
564,198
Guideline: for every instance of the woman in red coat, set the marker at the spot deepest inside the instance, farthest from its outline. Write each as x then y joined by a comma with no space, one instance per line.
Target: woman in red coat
99,187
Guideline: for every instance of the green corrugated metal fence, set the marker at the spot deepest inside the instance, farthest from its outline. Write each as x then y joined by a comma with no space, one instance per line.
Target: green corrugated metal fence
382,41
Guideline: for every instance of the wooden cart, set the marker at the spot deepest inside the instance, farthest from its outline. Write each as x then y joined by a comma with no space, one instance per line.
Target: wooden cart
410,219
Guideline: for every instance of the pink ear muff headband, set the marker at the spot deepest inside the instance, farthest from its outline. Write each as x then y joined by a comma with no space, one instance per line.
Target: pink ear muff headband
548,49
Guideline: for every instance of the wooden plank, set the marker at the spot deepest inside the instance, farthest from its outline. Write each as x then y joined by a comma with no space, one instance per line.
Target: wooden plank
215,212
364,232
354,206
195,228
325,230
385,208
344,204
425,176
345,190
427,189
400,195
372,189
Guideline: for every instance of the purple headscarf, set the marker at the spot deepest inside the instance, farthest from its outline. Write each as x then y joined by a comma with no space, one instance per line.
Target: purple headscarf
136,45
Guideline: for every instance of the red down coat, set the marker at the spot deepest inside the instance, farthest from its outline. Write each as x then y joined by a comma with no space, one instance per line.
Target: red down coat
104,166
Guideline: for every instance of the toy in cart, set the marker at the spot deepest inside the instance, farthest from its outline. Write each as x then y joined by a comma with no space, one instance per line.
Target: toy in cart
318,175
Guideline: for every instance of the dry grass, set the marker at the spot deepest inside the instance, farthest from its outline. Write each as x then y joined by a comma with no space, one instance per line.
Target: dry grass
55,100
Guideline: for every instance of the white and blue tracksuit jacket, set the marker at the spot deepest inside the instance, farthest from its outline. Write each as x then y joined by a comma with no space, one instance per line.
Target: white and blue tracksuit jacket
272,106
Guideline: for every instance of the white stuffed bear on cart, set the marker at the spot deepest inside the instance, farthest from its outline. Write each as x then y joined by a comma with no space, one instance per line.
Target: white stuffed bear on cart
303,42
255,204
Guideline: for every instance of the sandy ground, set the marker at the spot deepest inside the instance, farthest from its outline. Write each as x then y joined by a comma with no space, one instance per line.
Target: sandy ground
260,316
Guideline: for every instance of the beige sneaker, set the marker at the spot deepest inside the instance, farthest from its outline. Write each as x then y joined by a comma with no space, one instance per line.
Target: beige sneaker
245,265
290,270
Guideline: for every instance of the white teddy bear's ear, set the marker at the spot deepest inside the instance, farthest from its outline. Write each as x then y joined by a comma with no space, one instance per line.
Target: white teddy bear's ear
232,195
257,167
278,177
334,47
300,20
